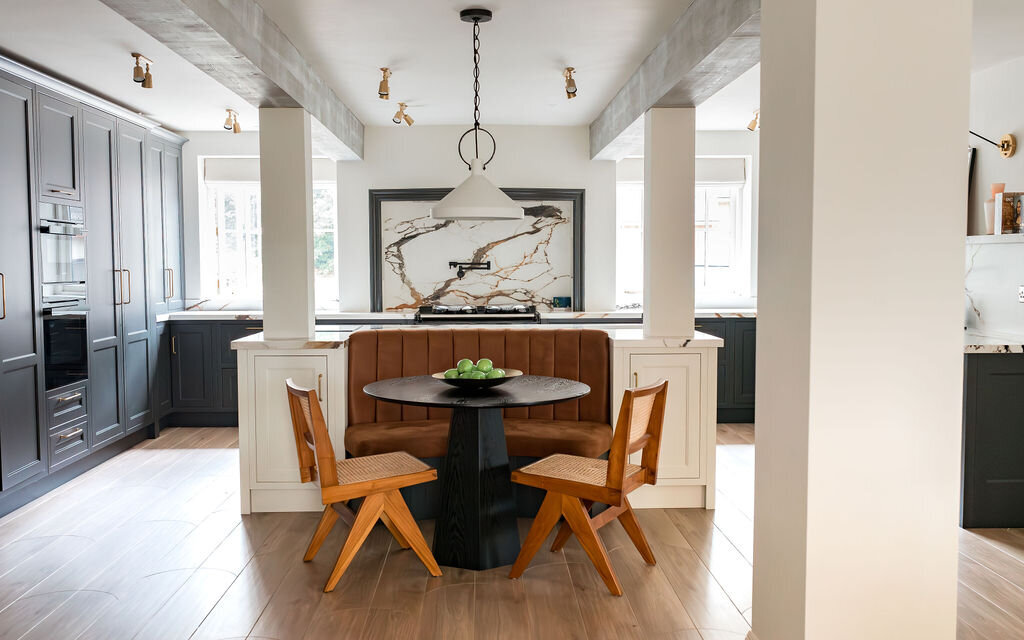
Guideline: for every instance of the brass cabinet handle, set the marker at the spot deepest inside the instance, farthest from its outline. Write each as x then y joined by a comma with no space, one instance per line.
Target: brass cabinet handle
3,296
73,396
320,386
254,328
170,272
117,298
65,192
635,379
174,345
129,300
70,434
698,326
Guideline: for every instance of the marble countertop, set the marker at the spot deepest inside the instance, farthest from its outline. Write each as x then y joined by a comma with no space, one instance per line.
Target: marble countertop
979,343
401,316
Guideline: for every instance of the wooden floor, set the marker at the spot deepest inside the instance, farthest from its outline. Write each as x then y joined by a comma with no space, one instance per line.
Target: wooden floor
150,545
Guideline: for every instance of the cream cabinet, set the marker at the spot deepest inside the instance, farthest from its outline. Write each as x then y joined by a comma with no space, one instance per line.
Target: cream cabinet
276,459
681,434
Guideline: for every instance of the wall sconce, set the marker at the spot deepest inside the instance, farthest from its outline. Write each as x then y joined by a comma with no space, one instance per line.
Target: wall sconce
755,124
383,91
140,75
570,83
1007,144
231,122
401,115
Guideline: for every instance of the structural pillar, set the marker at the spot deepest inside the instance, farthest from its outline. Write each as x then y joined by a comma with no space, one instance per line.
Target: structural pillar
863,193
669,174
286,188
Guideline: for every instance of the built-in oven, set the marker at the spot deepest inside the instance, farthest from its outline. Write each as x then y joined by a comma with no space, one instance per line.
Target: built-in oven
62,250
65,347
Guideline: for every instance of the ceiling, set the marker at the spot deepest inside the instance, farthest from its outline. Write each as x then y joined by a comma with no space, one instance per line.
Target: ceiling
997,26
733,106
86,44
523,52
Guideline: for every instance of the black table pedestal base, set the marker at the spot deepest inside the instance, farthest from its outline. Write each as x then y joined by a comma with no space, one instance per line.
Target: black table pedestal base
477,526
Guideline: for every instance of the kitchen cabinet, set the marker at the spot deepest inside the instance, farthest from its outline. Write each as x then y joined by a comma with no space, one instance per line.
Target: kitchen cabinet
137,321
22,429
163,218
736,365
106,335
173,248
993,468
680,445
163,392
192,371
59,125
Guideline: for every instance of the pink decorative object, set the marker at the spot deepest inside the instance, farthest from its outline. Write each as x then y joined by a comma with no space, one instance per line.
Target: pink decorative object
997,188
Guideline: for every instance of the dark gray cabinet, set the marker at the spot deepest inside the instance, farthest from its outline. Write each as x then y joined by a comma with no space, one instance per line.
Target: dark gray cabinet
22,446
993,465
192,371
106,336
59,133
736,364
163,216
136,319
163,390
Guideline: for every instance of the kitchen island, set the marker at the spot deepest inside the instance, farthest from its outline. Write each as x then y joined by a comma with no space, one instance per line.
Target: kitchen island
269,476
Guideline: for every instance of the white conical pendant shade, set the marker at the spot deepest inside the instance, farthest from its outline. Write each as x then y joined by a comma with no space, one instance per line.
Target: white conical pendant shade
477,199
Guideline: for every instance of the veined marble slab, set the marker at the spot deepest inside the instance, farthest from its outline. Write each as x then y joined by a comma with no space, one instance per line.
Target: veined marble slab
977,343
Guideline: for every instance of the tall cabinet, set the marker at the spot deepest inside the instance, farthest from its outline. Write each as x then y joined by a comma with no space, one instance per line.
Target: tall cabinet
22,450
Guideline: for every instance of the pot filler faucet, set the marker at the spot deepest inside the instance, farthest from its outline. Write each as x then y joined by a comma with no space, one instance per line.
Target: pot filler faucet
463,267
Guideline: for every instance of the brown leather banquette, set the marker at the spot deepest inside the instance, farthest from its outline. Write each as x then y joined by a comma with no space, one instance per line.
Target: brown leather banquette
580,427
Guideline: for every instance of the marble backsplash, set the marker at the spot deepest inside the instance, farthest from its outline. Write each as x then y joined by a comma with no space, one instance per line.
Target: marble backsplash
994,270
531,259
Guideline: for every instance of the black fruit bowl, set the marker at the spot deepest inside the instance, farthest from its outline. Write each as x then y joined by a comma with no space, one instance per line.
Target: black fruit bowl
470,384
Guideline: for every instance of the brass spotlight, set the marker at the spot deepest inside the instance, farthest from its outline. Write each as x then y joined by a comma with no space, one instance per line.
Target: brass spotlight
383,92
570,83
401,115
755,124
140,75
231,122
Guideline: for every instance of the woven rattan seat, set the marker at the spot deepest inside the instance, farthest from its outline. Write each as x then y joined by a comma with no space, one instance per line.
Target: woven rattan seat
384,465
575,469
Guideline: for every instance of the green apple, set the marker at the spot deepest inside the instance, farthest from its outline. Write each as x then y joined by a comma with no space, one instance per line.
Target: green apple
495,373
477,375
451,373
484,364
465,376
464,366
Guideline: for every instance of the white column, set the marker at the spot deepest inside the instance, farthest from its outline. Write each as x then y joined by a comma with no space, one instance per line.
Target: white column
286,170
863,193
669,152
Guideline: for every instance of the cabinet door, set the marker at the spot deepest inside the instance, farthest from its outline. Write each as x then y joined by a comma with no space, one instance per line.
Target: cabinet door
134,308
192,382
744,361
174,278
275,457
681,433
22,448
164,391
59,125
155,224
719,328
106,353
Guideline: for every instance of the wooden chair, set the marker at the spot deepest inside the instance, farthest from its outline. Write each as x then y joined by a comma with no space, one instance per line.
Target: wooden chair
575,483
377,479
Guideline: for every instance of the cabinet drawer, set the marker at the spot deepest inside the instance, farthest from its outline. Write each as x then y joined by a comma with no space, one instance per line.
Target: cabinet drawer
68,444
226,332
67,405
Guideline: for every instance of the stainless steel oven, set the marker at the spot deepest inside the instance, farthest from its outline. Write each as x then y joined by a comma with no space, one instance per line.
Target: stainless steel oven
62,249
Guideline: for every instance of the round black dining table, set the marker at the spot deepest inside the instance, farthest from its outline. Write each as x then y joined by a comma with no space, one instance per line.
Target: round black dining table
476,528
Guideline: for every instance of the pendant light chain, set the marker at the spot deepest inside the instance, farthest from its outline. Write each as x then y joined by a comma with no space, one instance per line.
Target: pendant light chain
476,87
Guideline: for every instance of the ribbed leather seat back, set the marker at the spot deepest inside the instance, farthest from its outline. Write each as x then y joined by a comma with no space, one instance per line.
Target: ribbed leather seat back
577,354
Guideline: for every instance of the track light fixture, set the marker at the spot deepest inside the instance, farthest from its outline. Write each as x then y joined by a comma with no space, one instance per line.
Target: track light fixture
140,75
383,92
231,122
570,83
755,124
401,116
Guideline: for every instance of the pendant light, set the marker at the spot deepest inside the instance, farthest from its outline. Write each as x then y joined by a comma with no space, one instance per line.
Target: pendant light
477,198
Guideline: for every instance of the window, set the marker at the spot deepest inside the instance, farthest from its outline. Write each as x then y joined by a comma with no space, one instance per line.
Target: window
232,212
717,212
629,246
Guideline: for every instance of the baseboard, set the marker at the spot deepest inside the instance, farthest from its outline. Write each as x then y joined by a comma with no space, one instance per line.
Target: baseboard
200,419
750,635
262,500
690,496
736,416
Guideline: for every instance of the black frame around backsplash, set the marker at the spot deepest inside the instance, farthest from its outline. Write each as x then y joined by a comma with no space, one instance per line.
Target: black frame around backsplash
380,196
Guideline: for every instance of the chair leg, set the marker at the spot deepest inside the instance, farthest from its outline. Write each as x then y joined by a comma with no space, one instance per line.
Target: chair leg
563,535
366,517
547,517
397,511
395,531
579,520
636,534
327,520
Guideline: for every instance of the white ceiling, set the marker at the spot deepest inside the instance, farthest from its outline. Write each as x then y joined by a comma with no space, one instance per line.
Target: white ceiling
997,29
87,44
523,52
732,108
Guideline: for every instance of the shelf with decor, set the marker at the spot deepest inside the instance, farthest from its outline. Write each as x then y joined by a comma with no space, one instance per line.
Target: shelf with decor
1005,238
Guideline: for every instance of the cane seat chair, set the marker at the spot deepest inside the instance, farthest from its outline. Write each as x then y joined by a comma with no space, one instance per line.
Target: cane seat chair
574,483
377,479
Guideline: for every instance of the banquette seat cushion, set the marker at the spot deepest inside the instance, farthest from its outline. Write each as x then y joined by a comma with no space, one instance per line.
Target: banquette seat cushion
578,427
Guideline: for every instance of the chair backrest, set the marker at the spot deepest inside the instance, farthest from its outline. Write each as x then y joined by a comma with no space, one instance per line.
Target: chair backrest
312,442
638,427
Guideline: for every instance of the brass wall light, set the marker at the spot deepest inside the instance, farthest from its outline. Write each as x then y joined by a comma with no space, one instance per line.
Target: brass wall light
755,124
570,83
140,75
383,91
1007,144
401,116
231,122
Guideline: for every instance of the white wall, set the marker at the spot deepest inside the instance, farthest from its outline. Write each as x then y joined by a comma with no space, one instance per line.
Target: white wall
860,344
425,156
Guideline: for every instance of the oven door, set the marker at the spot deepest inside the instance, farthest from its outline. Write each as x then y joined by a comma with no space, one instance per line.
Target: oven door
65,345
63,252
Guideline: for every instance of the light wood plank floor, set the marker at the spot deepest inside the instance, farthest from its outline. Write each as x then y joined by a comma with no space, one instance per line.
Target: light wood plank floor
150,545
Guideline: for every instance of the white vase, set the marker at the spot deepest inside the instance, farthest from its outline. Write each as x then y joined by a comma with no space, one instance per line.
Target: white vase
990,217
